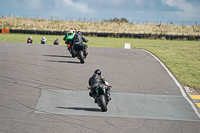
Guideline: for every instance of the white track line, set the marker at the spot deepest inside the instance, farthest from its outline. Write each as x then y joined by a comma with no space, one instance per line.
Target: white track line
177,83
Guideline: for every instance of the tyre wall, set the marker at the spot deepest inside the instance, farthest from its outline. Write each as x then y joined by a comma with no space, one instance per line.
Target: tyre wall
117,35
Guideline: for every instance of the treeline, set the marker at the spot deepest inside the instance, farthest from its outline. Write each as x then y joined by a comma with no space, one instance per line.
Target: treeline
116,20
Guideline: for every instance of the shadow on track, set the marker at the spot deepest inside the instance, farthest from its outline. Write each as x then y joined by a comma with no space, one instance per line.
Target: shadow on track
58,56
64,61
79,108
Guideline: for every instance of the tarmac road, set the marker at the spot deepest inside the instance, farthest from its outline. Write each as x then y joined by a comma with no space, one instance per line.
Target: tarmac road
43,89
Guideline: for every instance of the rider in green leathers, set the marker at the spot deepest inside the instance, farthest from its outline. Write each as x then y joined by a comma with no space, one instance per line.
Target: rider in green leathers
69,40
69,36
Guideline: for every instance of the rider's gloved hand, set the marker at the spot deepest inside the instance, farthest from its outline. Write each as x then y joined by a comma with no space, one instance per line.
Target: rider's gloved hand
89,87
106,83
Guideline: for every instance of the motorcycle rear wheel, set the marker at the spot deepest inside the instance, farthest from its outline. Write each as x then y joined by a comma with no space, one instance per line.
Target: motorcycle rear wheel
81,57
72,52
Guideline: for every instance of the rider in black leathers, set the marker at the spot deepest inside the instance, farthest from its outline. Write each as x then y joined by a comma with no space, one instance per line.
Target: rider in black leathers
97,80
78,40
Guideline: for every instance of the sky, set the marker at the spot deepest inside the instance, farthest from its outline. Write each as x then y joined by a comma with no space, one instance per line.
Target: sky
138,11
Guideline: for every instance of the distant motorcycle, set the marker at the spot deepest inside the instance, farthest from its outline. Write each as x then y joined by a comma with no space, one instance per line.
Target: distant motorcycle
29,40
77,51
44,40
56,42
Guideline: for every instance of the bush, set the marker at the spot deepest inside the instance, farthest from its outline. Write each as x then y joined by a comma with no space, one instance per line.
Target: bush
117,36
116,20
156,37
192,38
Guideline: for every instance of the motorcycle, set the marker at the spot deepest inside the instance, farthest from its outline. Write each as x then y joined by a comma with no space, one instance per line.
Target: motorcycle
29,41
77,51
43,41
102,97
56,42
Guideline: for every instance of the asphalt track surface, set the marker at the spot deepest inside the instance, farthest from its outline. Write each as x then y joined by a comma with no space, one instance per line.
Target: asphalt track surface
43,89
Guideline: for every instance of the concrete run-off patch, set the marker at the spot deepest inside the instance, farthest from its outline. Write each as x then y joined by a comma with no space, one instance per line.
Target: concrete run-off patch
122,105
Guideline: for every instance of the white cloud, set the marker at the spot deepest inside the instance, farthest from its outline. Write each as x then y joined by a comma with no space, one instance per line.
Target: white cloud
172,10
139,2
21,4
67,6
33,4
189,10
116,1
178,4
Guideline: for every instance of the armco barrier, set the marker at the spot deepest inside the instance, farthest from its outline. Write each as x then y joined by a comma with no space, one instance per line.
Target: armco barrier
126,35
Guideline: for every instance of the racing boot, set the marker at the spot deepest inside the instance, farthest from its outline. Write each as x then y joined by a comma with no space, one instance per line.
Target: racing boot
85,52
93,95
95,100
109,98
108,94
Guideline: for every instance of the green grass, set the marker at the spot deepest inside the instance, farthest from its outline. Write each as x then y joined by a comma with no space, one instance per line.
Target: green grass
181,57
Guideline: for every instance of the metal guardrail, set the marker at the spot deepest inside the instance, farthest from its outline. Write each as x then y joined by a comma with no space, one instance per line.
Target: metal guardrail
118,35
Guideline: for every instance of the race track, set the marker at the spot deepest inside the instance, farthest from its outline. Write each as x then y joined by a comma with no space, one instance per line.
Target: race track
43,89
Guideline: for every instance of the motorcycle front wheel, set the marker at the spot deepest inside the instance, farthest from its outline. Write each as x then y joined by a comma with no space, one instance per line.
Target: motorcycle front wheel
102,102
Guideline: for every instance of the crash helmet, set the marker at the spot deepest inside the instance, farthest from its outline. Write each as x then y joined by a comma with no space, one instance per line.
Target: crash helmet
43,38
73,30
97,71
30,37
79,33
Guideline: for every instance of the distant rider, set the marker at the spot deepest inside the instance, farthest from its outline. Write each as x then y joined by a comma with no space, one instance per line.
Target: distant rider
70,32
56,42
95,81
79,39
30,38
44,40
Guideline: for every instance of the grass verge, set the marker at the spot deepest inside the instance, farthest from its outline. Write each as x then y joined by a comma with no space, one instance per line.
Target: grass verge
181,57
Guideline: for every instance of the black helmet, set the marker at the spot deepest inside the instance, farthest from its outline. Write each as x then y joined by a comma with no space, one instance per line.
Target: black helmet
79,33
97,71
